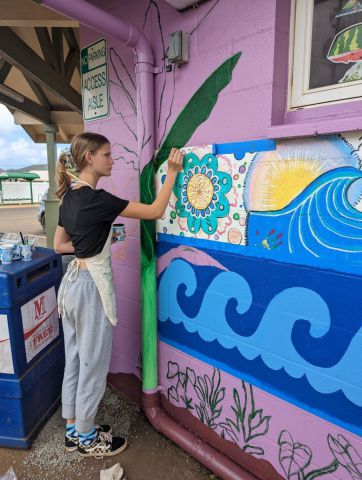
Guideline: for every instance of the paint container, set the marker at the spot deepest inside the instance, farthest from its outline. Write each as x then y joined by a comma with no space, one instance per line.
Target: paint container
119,232
26,252
6,253
17,251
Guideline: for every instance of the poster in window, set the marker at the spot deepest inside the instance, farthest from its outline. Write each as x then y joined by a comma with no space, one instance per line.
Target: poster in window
336,51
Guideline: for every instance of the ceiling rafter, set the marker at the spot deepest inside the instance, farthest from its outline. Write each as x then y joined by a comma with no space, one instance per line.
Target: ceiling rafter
71,63
46,46
57,42
72,44
28,107
39,93
5,68
16,52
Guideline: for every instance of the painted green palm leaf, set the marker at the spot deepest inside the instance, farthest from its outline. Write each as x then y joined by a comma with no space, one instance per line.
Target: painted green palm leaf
198,109
195,112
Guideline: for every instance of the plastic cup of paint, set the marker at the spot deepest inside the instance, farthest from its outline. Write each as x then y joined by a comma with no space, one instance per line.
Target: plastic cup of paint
6,253
119,232
17,251
26,252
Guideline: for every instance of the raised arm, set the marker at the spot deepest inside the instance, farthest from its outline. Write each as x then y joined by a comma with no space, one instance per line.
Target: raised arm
158,207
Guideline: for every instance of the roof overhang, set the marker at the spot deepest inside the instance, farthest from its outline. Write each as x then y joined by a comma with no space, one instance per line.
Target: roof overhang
39,69
19,176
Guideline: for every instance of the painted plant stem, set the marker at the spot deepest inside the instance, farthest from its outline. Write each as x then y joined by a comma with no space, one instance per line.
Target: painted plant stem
196,111
322,471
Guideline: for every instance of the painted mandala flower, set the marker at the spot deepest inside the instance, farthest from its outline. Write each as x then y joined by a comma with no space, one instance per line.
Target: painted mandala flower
201,193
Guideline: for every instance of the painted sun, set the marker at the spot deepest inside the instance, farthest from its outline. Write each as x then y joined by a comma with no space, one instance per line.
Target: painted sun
286,179
278,177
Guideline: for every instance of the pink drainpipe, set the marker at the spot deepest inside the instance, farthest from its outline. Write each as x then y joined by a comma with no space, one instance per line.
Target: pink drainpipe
128,34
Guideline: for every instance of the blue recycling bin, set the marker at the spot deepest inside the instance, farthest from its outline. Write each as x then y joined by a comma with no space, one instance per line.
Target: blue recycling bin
31,346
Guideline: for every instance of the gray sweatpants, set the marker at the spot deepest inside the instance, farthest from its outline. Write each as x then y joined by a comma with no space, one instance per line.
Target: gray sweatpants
88,345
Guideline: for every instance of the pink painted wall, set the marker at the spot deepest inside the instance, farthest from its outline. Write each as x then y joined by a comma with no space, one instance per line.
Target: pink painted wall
307,432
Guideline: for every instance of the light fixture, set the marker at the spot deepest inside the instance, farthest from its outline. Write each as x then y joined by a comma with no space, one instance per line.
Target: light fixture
184,4
9,92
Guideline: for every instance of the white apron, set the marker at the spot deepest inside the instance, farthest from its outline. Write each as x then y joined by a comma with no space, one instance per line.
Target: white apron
100,269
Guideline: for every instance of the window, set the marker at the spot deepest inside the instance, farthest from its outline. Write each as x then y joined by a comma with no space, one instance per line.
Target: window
326,63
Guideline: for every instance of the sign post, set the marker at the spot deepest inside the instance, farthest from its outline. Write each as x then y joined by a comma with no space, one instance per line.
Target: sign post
95,90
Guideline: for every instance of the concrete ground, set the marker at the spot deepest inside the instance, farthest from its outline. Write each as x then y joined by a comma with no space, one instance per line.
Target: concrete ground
150,456
24,217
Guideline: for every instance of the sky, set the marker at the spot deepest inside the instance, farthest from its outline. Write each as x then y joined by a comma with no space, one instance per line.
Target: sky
17,149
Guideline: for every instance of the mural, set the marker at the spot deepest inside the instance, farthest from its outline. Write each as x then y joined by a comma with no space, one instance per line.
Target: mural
282,326
207,200
298,203
292,337
317,207
242,414
205,395
258,253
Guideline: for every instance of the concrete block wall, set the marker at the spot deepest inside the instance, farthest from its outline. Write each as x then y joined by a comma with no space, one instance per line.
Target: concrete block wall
269,373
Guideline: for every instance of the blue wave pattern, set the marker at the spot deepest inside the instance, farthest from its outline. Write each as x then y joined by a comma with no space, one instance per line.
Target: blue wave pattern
321,226
272,339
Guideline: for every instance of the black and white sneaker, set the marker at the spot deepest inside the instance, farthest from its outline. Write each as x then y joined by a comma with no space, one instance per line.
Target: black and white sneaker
71,443
104,445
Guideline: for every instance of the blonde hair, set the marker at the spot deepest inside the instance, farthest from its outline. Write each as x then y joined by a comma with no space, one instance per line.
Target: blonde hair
71,163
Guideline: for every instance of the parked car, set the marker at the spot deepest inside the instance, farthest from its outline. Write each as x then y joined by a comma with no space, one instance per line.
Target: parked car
41,209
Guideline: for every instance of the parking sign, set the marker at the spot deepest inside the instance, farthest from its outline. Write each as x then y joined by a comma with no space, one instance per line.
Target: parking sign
95,90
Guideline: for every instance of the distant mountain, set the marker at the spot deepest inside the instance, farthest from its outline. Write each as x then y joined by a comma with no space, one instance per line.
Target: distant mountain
30,168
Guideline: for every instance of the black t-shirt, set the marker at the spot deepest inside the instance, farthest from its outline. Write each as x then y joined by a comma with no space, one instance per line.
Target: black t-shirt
87,216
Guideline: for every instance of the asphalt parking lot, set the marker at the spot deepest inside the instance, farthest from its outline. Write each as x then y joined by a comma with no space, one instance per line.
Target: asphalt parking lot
21,217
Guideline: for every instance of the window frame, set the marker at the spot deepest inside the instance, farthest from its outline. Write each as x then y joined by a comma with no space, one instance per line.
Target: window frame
299,94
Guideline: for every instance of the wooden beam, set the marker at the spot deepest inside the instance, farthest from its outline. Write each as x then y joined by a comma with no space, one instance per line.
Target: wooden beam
19,54
73,58
66,118
62,134
5,68
39,93
72,43
56,118
46,46
57,41
17,13
71,38
23,119
28,107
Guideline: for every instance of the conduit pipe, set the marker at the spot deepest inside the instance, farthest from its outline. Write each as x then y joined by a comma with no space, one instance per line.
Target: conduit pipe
130,35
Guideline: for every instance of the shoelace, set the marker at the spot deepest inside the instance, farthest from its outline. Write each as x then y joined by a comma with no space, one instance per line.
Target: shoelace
105,438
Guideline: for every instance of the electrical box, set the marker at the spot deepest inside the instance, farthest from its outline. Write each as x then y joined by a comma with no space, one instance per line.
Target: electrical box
178,47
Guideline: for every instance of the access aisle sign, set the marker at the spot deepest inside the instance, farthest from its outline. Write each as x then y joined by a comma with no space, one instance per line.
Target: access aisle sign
95,81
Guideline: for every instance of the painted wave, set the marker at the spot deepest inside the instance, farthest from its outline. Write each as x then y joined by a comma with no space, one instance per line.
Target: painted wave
272,341
322,222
